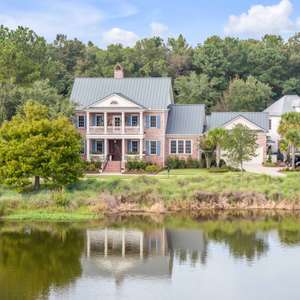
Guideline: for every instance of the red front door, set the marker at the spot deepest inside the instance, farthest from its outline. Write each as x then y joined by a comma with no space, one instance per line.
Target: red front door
115,149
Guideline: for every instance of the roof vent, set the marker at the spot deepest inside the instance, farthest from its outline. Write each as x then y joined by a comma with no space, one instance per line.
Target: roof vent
118,72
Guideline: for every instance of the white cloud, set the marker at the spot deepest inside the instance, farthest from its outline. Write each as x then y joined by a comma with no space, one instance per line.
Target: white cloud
260,20
118,35
71,18
83,19
158,29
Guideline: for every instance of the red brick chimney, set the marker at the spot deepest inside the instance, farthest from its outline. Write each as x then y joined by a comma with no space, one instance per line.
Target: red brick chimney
118,72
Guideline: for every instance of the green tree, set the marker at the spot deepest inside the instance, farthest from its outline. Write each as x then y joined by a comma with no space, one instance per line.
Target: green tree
43,93
22,55
218,137
241,145
180,56
207,147
292,137
249,95
33,145
196,89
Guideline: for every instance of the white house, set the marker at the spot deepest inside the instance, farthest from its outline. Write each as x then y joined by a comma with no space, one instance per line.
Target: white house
288,103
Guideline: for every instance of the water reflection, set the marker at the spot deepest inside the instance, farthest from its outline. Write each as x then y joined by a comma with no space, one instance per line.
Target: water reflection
41,261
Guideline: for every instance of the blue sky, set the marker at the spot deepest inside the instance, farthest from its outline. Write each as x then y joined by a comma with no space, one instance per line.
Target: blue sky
113,21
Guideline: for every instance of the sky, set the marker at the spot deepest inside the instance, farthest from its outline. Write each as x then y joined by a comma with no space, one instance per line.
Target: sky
125,21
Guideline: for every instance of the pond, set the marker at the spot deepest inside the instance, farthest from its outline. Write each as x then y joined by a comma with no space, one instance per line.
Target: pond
211,256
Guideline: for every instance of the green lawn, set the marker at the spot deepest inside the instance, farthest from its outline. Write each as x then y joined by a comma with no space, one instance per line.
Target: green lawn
78,201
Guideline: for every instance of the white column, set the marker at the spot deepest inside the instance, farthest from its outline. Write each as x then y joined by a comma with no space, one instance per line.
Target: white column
141,245
105,242
123,122
123,150
141,148
105,148
141,123
87,122
88,144
88,245
123,242
105,122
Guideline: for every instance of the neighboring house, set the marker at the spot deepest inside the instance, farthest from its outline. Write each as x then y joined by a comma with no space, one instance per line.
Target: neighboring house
288,103
136,118
126,118
256,121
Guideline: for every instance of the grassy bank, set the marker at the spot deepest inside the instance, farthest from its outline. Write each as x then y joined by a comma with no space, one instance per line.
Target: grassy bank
92,196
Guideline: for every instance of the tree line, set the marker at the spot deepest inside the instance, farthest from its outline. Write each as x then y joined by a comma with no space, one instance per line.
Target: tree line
224,73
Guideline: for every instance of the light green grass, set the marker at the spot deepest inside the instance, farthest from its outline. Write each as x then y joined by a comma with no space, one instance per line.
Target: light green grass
180,185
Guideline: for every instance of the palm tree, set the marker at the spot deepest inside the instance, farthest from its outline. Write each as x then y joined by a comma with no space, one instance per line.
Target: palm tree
292,136
207,147
218,137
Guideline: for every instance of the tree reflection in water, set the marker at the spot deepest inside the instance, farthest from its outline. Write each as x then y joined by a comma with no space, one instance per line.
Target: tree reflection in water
35,259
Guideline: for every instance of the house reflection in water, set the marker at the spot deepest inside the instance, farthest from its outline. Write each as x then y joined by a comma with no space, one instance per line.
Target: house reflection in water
124,252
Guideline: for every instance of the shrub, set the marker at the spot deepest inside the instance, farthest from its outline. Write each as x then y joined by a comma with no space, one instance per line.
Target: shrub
2,208
61,199
152,169
177,163
92,166
136,165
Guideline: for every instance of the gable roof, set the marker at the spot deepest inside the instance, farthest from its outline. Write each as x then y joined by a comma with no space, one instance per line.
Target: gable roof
283,105
219,119
152,93
186,119
117,94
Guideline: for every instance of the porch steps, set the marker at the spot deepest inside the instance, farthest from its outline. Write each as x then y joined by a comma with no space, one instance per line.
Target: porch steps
113,167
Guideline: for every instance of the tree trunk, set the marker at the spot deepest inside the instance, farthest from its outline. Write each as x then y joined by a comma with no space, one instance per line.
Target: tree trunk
293,157
207,159
37,183
218,156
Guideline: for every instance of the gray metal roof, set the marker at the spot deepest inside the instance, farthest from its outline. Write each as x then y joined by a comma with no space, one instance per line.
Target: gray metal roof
152,93
186,119
283,105
218,119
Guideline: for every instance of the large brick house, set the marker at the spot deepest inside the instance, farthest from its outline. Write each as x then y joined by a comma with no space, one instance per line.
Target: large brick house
136,118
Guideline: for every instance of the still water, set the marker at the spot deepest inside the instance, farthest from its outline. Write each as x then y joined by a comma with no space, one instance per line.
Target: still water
202,257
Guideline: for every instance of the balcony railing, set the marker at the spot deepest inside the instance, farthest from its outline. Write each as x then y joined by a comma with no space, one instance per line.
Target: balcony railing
114,130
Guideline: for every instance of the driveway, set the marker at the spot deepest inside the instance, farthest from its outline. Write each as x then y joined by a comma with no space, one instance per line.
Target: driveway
259,169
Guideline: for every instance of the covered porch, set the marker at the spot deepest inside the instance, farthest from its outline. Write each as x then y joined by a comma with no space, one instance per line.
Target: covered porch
105,149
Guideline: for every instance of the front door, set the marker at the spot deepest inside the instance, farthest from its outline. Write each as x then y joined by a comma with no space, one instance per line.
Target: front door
115,149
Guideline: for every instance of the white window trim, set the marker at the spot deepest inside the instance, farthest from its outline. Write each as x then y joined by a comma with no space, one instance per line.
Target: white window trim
103,145
99,115
153,116
114,117
184,142
150,141
84,121
138,122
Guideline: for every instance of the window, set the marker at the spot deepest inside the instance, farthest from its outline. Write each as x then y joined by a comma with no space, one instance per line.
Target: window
99,120
173,149
134,147
153,121
188,147
117,121
181,147
98,147
153,148
134,121
81,122
270,124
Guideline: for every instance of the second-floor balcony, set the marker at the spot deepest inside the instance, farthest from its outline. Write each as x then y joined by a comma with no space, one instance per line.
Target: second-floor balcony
115,123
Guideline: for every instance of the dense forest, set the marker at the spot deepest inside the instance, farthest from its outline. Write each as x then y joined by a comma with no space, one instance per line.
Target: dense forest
224,73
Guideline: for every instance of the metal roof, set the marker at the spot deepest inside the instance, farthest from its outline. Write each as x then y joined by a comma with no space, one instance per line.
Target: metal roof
283,105
152,93
218,119
186,119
